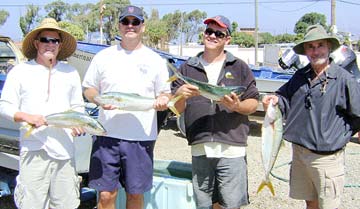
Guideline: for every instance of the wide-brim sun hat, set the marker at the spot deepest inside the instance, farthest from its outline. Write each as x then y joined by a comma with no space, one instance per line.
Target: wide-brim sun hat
315,33
68,41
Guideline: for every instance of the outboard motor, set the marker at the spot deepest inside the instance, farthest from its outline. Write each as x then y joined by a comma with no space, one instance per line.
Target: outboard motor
346,58
289,60
343,56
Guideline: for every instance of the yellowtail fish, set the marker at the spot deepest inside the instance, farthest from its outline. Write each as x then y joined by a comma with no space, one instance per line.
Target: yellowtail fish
71,119
207,90
271,136
130,101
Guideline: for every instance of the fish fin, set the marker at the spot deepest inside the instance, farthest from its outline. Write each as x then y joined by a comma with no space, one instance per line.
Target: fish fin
268,184
171,105
172,78
29,128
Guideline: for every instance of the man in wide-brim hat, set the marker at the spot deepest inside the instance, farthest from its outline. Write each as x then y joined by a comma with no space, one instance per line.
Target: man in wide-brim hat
67,43
320,103
42,86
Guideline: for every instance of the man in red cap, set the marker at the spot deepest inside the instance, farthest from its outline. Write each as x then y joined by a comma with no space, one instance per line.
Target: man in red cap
217,131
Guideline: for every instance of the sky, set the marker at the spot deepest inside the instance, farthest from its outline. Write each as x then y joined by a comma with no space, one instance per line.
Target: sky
274,16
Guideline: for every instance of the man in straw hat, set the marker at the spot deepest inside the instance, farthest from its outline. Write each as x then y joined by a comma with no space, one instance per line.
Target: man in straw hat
217,131
319,103
126,153
39,87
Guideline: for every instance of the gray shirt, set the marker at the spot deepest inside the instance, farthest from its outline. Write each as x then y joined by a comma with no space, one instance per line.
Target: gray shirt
319,113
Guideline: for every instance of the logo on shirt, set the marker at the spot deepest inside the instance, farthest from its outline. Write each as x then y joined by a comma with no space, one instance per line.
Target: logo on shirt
229,75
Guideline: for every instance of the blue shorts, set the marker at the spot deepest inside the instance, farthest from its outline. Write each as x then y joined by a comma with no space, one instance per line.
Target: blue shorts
220,180
116,162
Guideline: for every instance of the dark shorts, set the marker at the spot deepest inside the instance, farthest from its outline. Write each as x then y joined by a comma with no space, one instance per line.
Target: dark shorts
220,180
115,163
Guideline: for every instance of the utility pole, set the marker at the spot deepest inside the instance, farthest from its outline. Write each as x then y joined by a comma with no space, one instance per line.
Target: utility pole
333,28
102,7
256,32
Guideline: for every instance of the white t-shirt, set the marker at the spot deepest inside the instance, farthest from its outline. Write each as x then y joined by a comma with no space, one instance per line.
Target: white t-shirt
26,90
141,71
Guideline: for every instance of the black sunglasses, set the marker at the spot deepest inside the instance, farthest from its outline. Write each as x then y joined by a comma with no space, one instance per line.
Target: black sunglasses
134,22
49,40
218,34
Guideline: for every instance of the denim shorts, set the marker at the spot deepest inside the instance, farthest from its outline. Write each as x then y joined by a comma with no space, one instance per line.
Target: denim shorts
220,180
116,162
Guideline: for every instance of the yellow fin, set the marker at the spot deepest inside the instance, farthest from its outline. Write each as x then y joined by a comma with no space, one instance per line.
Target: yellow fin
29,128
171,105
172,78
268,184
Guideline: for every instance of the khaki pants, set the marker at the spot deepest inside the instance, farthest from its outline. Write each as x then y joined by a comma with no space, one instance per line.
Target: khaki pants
317,177
45,182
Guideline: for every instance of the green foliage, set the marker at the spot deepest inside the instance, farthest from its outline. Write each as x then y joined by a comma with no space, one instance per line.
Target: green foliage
266,38
242,39
309,19
192,24
74,30
31,17
3,16
234,26
57,10
285,38
156,31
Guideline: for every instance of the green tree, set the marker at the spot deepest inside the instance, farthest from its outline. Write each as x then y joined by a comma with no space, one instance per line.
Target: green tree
73,29
266,38
3,16
110,17
242,39
173,23
193,24
285,38
156,31
309,19
234,26
31,17
57,10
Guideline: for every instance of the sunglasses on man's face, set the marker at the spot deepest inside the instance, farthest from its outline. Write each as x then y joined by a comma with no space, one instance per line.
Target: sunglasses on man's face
133,22
218,34
49,40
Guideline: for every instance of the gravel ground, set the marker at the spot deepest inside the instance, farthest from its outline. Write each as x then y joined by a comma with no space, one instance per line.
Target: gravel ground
172,146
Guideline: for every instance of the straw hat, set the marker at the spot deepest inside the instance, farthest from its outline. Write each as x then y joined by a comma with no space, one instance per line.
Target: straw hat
67,40
315,33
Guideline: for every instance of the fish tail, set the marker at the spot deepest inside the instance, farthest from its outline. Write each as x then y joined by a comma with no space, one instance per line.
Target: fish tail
171,105
268,184
29,128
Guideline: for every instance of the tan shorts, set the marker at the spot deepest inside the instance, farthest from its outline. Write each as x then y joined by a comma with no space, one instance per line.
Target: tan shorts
317,177
44,182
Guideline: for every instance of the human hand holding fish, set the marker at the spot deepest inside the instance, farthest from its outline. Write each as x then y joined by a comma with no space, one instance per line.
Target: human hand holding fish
33,120
77,121
231,101
161,102
187,91
267,98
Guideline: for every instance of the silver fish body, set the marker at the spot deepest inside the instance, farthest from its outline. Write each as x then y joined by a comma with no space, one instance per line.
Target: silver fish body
207,90
271,138
70,119
126,101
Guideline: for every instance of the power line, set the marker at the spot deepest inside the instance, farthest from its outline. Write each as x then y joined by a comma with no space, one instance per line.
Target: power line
349,2
194,3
